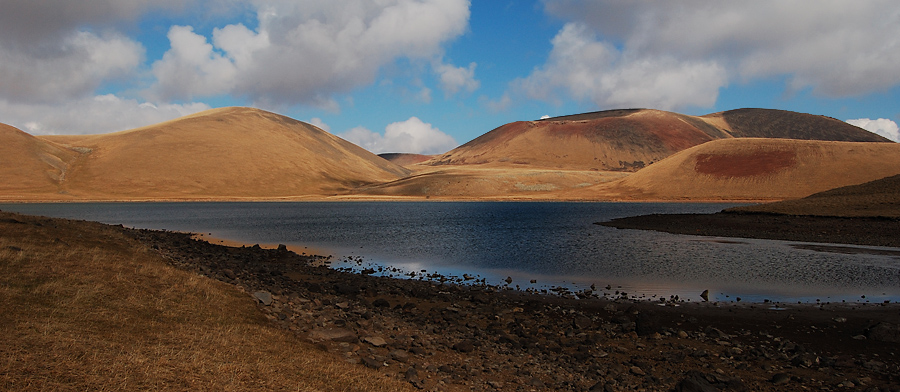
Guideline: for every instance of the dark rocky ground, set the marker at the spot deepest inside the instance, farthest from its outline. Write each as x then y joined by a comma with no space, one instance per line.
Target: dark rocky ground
877,231
439,335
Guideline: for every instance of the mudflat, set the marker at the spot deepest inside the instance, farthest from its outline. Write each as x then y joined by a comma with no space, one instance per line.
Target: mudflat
435,334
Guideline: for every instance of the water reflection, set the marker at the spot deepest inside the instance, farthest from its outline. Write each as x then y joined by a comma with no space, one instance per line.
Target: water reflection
552,243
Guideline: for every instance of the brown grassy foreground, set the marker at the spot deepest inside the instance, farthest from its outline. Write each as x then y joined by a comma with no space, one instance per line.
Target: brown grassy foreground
86,308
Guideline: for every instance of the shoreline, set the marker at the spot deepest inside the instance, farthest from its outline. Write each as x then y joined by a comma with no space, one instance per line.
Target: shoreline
446,336
868,231
449,337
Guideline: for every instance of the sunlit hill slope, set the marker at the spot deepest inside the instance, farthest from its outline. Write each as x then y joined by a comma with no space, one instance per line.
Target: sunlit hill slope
220,153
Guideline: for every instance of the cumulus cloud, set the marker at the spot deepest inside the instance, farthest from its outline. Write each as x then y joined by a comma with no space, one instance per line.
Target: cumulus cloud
454,79
881,126
585,68
305,51
70,68
410,136
679,53
92,115
319,123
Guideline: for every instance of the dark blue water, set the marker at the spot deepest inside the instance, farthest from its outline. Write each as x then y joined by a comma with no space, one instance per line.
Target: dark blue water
555,244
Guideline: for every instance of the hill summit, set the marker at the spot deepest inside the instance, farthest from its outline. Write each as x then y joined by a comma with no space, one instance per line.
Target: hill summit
630,139
219,153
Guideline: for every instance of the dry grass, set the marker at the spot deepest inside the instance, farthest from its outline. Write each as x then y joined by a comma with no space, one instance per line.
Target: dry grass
84,307
744,169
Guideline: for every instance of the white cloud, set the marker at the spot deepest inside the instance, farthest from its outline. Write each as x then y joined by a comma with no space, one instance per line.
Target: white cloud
834,47
92,115
319,123
192,68
70,68
454,79
881,126
583,67
544,117
306,51
410,136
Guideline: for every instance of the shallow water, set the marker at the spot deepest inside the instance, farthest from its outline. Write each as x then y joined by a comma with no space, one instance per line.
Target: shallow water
555,244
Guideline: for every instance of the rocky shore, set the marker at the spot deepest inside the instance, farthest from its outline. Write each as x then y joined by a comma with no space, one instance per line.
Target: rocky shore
445,336
875,231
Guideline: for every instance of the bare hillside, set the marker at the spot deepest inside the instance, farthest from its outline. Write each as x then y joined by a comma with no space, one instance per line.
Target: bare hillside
755,169
879,198
621,140
30,166
630,139
221,153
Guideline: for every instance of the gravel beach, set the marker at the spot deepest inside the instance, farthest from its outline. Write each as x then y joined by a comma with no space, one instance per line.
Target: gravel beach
440,335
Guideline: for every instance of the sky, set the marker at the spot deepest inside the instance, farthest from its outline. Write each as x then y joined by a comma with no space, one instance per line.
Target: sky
424,76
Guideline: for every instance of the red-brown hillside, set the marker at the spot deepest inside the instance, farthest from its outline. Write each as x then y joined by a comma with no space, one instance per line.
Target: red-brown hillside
628,140
750,168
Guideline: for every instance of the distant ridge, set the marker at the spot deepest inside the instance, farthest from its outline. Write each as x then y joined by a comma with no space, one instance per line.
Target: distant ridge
783,124
631,139
220,153
404,159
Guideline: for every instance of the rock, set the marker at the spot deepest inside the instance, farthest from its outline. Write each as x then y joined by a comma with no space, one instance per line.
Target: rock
372,362
400,356
263,297
465,346
282,248
333,334
885,332
646,324
582,322
346,289
637,371
376,341
381,303
715,333
781,379
805,360
694,381
508,280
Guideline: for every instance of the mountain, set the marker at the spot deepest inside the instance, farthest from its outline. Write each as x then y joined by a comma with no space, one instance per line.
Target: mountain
404,159
220,153
879,198
30,166
629,140
755,169
783,124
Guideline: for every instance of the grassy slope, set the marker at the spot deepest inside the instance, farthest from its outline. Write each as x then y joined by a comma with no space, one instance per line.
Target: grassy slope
758,169
87,308
879,198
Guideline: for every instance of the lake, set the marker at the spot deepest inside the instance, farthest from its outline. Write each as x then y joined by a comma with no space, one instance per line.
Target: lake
553,243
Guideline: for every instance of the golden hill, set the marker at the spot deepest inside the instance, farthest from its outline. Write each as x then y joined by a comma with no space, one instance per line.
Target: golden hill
30,166
628,140
496,183
754,169
404,159
220,153
879,198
